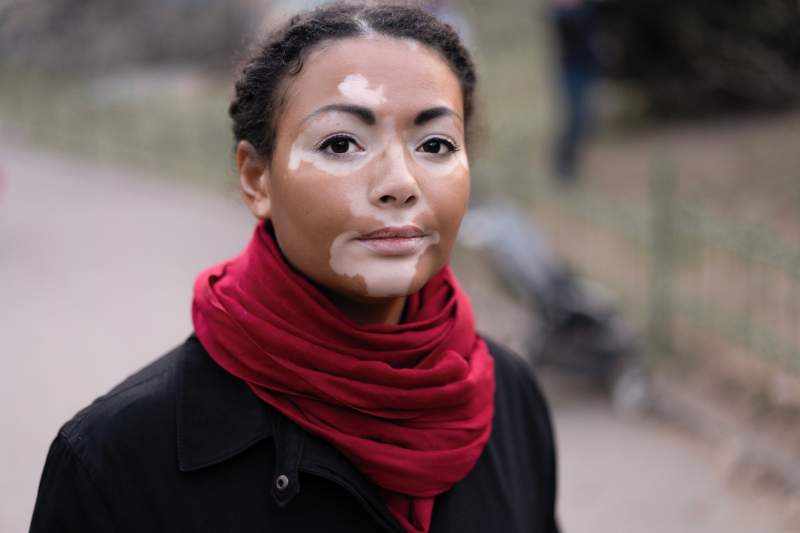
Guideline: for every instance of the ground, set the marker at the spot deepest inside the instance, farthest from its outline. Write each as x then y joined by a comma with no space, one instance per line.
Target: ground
97,268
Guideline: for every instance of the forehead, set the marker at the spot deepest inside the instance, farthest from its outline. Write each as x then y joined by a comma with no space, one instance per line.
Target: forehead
409,77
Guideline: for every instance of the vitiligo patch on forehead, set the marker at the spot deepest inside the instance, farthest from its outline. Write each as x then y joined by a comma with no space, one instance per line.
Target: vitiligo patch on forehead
355,87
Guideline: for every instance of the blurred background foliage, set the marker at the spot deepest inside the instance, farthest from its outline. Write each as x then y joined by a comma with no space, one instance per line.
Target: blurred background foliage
693,223
704,57
95,36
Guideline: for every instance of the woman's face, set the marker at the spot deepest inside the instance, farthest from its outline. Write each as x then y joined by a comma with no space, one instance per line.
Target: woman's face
369,179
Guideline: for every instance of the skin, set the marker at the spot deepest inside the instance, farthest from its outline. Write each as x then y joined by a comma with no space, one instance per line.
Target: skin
394,111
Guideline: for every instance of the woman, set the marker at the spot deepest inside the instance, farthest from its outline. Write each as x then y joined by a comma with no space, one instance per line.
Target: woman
335,381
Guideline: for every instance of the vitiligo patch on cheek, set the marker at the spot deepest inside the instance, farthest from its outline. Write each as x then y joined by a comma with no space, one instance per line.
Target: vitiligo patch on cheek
355,88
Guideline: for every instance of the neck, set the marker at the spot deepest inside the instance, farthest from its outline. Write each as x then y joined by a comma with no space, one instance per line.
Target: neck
376,311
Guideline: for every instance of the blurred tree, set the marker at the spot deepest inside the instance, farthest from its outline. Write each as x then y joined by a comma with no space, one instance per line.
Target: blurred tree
706,56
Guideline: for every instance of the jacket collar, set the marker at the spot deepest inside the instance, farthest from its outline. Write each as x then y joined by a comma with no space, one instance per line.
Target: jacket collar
217,415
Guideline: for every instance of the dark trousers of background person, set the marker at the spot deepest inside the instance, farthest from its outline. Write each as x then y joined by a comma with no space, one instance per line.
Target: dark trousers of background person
574,31
576,83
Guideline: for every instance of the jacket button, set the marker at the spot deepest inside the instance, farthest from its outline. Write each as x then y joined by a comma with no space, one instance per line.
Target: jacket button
281,482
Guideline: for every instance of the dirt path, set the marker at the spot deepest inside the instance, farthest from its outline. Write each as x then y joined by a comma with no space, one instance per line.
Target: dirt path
96,266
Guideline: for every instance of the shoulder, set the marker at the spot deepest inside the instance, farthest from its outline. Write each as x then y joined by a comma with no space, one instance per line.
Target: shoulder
522,443
522,414
140,406
515,378
506,361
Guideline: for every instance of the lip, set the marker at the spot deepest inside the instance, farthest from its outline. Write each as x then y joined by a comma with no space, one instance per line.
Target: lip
394,232
400,240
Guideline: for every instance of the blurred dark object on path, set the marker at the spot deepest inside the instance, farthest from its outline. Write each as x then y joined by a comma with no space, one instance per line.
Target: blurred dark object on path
715,56
578,329
573,23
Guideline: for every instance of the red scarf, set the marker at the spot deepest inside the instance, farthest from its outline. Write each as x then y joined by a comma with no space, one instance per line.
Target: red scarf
410,405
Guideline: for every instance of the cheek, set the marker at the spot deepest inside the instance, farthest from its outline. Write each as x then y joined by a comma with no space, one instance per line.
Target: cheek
300,201
309,210
448,196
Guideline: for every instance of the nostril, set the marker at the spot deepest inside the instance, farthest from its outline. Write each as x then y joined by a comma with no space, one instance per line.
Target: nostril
410,200
386,198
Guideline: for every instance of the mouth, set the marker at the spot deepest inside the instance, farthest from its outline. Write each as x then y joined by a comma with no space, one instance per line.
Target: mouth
401,232
402,240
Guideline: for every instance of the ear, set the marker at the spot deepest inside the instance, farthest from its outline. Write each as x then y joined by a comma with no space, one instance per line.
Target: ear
254,180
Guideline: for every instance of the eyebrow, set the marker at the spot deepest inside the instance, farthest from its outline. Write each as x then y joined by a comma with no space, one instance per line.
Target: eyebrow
364,114
433,113
368,117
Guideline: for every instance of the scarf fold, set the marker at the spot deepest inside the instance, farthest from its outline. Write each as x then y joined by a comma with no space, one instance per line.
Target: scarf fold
410,405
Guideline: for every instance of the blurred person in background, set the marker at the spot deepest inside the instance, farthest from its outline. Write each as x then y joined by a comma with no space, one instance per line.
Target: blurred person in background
577,67
335,380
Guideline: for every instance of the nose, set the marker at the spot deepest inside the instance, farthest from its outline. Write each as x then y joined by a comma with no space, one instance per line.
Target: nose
394,184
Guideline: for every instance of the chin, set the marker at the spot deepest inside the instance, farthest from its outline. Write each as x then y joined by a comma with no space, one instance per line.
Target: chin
358,290
390,290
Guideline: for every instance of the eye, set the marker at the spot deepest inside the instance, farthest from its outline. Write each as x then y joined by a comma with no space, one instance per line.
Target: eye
438,146
339,144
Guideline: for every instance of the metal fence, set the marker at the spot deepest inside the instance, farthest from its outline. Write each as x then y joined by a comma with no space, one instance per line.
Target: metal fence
169,121
689,278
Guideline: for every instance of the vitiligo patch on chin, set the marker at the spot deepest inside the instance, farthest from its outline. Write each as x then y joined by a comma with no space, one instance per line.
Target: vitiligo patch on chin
383,275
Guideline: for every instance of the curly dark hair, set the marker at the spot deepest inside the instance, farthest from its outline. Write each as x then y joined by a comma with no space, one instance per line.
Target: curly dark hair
256,103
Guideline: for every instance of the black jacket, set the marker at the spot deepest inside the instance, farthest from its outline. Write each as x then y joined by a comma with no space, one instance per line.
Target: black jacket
183,446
